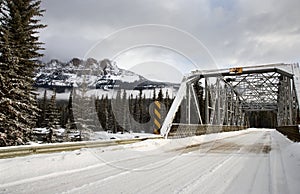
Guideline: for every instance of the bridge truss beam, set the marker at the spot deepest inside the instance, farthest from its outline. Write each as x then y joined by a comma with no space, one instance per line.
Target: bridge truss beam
229,97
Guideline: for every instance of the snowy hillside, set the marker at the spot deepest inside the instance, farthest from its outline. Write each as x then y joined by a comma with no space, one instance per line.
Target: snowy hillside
98,74
103,74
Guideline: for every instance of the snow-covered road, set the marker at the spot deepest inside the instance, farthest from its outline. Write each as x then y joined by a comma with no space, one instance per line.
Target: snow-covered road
249,161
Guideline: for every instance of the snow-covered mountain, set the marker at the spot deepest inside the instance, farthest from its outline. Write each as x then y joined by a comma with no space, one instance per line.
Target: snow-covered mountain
103,74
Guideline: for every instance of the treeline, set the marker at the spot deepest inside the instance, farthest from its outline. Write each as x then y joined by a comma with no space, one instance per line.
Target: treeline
121,113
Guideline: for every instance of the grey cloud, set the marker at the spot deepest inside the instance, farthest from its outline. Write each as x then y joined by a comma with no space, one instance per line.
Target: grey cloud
235,31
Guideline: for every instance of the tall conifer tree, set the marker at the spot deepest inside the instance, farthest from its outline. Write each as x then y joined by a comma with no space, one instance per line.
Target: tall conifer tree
19,51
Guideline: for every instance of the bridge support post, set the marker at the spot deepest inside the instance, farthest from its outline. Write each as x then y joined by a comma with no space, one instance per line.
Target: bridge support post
206,102
286,102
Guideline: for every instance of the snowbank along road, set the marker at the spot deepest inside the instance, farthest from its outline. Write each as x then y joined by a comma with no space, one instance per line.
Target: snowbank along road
248,161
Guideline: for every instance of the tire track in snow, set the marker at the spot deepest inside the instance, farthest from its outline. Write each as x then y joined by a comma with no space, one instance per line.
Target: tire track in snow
63,173
278,176
205,175
253,168
95,184
266,135
228,166
98,183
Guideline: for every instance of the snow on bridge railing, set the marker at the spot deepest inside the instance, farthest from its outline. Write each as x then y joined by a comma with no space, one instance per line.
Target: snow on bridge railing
14,151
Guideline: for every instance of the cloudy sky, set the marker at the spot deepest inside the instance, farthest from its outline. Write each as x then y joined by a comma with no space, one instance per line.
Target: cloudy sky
231,32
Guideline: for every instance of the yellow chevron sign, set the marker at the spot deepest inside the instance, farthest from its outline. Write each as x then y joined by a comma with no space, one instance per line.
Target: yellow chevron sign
157,117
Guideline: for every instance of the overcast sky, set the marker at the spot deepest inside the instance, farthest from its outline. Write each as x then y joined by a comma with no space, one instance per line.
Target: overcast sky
240,32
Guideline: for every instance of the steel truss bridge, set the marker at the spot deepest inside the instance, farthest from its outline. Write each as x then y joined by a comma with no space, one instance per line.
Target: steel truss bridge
229,99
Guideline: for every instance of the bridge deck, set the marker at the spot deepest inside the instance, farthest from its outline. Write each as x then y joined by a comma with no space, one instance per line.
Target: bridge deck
248,161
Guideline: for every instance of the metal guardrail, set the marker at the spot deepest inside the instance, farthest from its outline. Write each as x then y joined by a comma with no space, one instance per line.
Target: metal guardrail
186,130
9,152
292,132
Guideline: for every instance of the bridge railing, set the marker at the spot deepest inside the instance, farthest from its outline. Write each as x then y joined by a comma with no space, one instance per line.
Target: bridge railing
186,130
292,132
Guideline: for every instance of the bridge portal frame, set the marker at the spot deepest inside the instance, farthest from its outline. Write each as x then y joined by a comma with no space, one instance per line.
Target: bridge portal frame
234,93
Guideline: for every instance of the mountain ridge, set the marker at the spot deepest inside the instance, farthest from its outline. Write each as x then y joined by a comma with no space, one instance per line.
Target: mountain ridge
103,74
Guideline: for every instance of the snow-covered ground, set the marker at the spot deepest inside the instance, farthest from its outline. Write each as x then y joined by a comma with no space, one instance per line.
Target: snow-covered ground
103,135
97,135
249,161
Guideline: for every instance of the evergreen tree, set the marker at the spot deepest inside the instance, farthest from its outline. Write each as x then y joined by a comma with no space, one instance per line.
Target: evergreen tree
131,112
102,111
154,95
111,124
15,123
70,119
70,122
19,48
125,106
106,107
43,108
145,110
200,96
167,101
140,107
52,119
118,108
136,112
64,115
160,95
84,111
